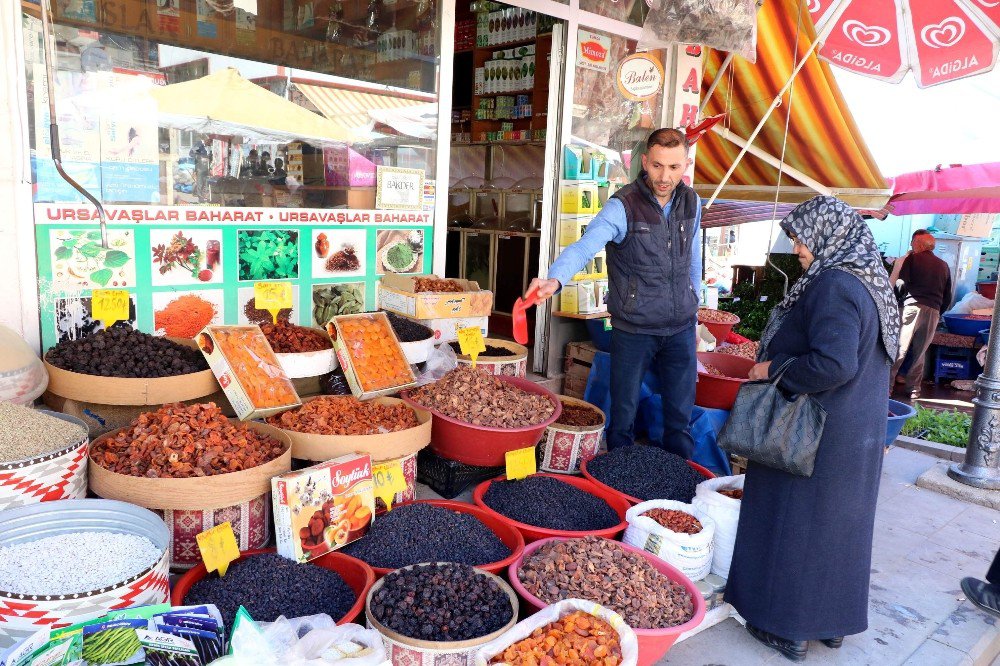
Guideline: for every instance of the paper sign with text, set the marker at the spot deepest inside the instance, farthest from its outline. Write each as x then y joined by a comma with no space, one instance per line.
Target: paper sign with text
389,480
273,297
109,306
470,341
218,547
521,463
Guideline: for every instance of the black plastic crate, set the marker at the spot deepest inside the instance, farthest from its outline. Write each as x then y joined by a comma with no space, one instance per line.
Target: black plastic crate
449,478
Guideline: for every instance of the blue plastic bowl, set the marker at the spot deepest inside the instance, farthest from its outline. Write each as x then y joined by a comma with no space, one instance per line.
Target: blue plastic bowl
963,325
600,337
901,413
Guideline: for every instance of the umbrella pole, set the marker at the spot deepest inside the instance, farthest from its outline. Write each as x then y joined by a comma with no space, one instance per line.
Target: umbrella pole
49,50
982,454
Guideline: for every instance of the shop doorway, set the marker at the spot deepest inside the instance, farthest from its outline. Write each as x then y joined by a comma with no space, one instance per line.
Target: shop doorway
506,106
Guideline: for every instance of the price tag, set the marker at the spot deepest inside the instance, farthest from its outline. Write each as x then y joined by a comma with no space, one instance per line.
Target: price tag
218,547
607,324
389,480
521,463
470,341
109,306
273,297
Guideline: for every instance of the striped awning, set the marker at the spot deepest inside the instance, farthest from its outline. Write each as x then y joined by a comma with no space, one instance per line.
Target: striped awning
726,213
350,108
824,150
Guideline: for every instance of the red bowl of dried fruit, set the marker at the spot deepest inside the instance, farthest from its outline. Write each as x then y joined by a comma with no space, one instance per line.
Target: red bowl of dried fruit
717,388
472,393
718,322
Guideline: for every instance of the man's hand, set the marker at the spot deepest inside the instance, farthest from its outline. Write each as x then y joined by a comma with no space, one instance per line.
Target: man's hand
760,371
546,288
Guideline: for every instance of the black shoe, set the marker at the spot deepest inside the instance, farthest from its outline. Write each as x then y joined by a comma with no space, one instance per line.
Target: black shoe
833,643
791,650
983,594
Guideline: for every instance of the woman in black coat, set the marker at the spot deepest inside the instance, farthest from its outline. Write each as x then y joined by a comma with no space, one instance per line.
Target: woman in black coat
802,557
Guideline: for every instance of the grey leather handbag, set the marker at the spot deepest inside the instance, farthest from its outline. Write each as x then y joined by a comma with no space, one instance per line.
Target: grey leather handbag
774,429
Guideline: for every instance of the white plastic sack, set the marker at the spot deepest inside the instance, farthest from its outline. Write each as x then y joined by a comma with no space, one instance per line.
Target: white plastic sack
691,553
725,511
706,342
441,360
972,301
725,25
22,375
280,643
523,629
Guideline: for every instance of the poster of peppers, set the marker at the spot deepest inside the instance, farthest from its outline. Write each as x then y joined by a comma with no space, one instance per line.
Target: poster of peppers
187,267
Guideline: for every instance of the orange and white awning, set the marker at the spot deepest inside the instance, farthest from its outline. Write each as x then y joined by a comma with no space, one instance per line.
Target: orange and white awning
350,108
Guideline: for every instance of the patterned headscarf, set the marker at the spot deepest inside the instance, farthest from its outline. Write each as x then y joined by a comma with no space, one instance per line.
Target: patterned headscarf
839,240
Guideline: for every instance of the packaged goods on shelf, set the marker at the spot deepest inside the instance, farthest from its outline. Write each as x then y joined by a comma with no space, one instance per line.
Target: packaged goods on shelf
579,197
585,296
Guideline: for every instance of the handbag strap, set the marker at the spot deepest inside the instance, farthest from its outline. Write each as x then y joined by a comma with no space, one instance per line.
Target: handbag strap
782,369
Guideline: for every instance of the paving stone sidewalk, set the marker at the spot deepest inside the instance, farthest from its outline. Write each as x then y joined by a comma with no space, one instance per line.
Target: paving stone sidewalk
925,543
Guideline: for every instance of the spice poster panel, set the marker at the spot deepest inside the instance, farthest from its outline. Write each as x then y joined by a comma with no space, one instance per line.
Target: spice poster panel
78,260
182,257
249,313
339,252
183,314
399,251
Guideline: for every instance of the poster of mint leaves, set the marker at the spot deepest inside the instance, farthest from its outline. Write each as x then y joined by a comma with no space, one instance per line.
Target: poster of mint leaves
268,254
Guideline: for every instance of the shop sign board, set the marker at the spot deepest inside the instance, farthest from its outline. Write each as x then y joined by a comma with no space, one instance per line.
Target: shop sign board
212,257
640,77
593,51
686,95
399,189
976,225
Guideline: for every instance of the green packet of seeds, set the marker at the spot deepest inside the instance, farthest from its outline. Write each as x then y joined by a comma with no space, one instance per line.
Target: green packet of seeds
59,652
137,613
243,623
113,643
161,648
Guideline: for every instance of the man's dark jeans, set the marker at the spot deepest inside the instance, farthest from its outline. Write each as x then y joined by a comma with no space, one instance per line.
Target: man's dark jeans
673,360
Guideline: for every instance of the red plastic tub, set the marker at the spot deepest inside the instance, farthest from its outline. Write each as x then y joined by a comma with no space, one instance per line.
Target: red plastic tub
716,392
506,532
532,533
358,576
480,445
718,331
653,643
635,500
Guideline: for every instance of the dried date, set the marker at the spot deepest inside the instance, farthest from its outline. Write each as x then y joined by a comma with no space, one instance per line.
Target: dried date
675,521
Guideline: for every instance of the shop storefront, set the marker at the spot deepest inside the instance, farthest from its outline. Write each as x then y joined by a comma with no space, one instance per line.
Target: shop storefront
353,140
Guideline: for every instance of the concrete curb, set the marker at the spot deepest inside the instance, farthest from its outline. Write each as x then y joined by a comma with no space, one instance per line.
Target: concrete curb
927,447
937,479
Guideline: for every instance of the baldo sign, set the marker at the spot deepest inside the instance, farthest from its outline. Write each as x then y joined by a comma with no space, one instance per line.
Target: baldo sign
399,189
640,77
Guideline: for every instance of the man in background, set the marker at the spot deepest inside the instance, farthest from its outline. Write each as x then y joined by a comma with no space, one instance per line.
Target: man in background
927,283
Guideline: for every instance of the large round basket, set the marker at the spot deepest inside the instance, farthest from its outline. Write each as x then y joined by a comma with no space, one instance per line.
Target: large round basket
56,475
564,447
515,365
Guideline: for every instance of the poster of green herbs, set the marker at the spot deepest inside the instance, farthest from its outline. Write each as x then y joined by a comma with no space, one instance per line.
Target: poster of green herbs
268,254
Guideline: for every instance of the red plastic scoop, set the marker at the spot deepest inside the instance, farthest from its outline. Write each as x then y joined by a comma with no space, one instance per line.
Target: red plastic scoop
520,317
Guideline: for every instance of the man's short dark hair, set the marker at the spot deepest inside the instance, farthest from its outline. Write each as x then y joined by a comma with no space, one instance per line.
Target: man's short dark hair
920,232
668,137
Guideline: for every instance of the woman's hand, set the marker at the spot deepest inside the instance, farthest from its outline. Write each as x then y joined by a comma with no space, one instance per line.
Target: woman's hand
760,371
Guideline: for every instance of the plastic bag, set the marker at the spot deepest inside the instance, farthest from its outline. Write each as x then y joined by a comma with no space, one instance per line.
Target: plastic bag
706,341
691,553
22,374
280,643
726,25
972,301
440,362
725,511
523,629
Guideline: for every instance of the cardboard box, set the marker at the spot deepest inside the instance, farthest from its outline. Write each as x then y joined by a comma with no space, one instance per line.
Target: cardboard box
347,355
324,507
572,228
346,167
233,379
579,197
446,329
580,297
396,294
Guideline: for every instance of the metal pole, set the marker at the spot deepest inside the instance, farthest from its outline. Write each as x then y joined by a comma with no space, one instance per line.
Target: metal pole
49,49
982,454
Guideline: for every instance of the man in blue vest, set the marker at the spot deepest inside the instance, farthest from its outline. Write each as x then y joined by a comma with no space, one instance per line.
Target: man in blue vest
650,228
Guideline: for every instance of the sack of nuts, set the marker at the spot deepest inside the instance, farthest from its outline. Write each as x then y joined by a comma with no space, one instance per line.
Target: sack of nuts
572,624
677,533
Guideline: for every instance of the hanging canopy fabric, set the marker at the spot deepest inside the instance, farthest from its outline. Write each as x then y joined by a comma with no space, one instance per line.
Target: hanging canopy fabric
226,103
354,110
960,189
728,213
825,153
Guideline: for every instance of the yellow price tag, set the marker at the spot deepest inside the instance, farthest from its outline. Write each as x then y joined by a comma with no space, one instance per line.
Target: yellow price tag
389,480
218,547
521,463
273,297
470,341
109,306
